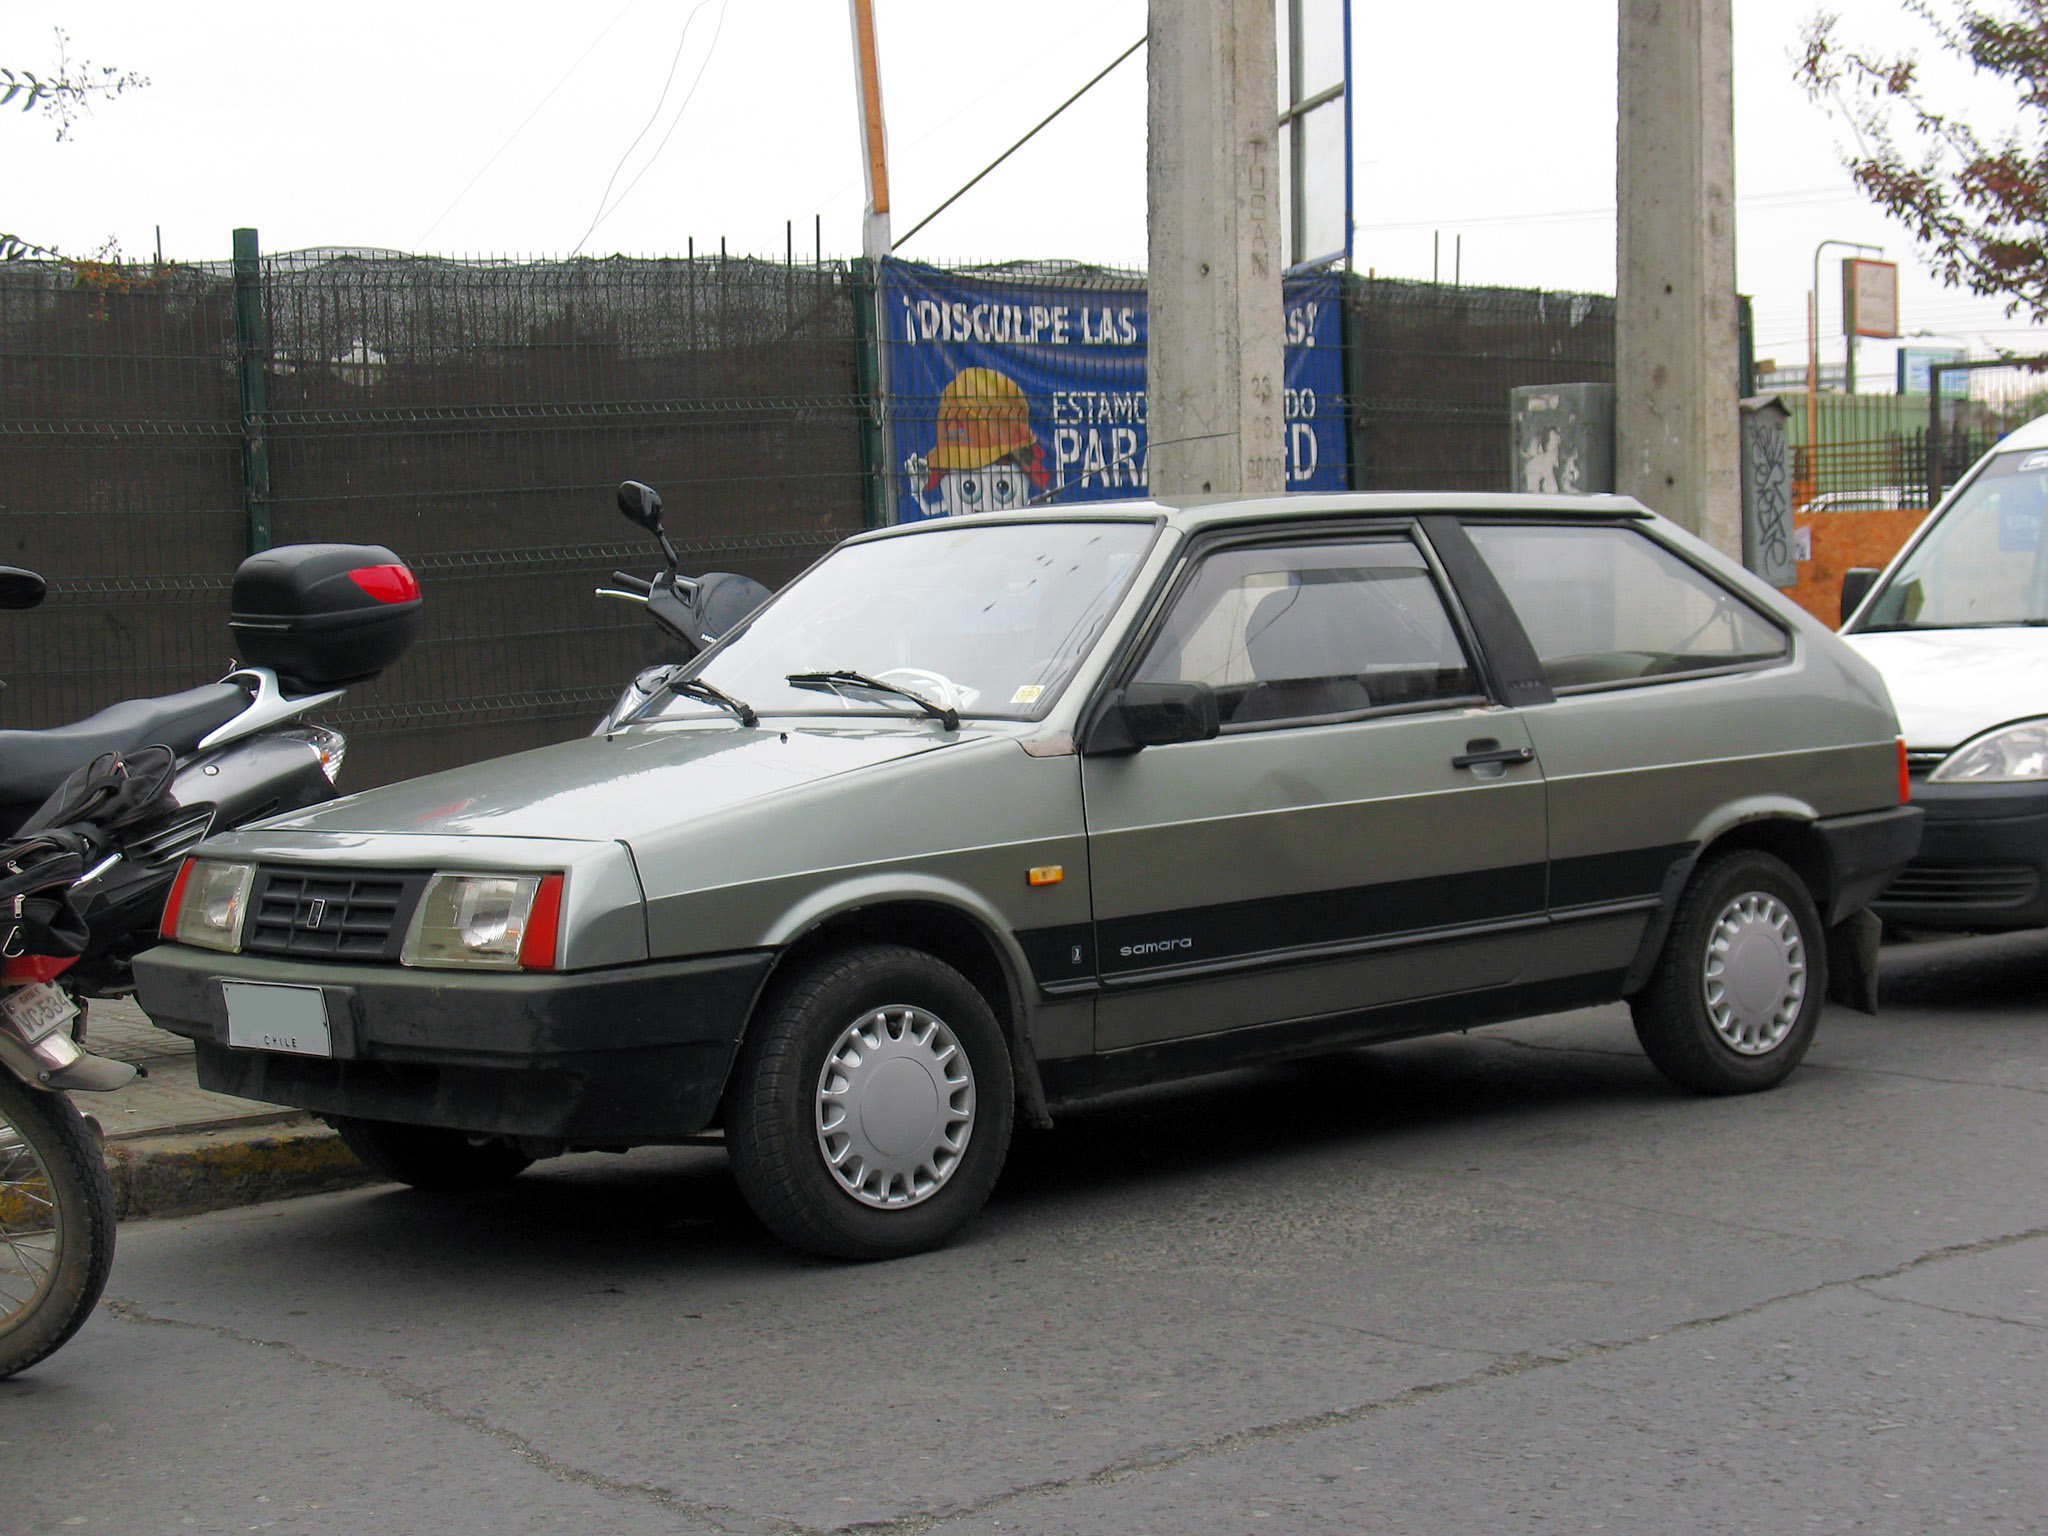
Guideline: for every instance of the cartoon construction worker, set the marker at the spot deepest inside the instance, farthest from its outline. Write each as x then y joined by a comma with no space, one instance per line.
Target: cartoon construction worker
986,459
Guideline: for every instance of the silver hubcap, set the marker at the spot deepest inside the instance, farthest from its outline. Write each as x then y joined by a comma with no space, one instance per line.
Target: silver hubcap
895,1107
1755,973
29,1238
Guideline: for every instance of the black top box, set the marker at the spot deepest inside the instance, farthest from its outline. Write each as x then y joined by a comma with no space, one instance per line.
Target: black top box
324,615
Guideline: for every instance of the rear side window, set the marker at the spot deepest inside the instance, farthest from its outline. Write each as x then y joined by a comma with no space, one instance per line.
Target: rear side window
1298,632
1607,605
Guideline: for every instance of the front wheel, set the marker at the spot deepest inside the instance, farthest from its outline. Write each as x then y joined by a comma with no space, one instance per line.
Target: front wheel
56,1223
871,1106
1736,996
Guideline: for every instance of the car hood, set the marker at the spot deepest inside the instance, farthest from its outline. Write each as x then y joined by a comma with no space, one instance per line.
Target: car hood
602,789
1951,684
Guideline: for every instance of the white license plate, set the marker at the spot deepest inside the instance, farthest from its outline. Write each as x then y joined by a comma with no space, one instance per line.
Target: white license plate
263,1016
35,1011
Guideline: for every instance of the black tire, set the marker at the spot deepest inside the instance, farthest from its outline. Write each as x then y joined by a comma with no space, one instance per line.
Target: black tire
1674,1018
48,1157
772,1107
431,1157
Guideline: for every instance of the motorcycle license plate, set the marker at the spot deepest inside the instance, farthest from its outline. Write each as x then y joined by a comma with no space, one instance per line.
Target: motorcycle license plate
35,1011
263,1016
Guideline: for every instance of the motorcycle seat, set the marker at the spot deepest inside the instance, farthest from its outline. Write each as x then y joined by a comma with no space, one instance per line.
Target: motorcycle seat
34,763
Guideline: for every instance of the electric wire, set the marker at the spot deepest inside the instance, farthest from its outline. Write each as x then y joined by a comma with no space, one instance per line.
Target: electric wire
674,64
500,150
716,30
899,242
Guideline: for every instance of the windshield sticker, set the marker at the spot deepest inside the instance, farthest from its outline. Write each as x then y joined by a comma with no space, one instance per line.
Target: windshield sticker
1028,694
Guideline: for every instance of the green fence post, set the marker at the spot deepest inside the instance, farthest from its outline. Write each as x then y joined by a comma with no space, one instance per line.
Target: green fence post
867,352
252,351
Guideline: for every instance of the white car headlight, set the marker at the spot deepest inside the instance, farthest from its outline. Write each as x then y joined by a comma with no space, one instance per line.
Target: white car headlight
496,922
2011,754
209,903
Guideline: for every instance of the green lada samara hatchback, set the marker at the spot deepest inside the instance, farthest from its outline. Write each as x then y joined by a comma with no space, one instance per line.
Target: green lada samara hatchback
981,815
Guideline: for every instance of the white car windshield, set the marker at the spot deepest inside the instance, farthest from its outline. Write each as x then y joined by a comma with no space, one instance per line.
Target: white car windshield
1984,563
982,619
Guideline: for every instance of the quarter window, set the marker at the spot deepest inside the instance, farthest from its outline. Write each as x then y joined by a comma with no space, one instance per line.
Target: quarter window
1312,630
1606,605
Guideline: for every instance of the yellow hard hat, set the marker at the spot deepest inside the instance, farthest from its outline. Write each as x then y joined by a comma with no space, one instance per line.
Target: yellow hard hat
982,416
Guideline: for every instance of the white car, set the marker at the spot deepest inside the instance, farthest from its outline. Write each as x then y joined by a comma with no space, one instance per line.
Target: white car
1958,626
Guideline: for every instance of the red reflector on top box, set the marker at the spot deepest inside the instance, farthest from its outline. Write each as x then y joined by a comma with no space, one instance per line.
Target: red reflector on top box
324,615
387,583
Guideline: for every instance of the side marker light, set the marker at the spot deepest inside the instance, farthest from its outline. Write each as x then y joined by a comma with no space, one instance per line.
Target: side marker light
1047,874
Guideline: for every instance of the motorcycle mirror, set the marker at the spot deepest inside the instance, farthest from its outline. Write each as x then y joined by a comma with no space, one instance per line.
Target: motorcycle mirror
641,503
19,588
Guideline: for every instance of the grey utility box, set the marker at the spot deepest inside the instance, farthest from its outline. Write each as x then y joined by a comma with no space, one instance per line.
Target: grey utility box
1767,546
1563,437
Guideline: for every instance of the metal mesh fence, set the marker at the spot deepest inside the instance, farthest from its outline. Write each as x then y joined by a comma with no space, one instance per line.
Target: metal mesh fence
473,416
1431,367
120,480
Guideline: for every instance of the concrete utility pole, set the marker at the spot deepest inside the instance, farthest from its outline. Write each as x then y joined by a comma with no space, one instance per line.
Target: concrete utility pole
1676,429
1212,176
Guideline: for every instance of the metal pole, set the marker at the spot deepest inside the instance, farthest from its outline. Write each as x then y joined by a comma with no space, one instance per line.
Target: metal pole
252,349
1934,373
874,139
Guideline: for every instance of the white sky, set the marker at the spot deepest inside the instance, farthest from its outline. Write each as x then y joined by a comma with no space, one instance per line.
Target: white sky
377,124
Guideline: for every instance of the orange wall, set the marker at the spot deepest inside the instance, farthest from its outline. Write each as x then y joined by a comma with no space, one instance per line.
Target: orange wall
1840,540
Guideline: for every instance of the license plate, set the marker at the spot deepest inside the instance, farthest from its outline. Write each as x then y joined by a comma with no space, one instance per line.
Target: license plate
35,1011
263,1016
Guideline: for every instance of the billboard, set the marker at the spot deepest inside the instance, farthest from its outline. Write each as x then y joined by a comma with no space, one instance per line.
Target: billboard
1870,298
1916,363
1008,392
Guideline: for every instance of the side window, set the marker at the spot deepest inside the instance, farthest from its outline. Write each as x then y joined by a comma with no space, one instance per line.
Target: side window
1604,605
1301,631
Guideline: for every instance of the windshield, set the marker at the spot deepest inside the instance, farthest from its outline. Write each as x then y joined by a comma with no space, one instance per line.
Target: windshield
1983,563
986,619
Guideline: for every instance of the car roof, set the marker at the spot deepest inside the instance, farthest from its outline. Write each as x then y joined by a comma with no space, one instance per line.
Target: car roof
2033,435
1205,512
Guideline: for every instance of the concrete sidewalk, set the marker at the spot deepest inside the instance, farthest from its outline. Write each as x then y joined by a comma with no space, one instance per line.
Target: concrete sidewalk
174,1149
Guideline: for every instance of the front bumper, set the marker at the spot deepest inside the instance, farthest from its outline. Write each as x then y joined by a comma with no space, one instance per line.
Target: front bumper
606,1058
1983,861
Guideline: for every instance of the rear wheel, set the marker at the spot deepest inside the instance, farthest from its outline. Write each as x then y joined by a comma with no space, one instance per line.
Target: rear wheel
431,1157
1736,996
871,1107
56,1223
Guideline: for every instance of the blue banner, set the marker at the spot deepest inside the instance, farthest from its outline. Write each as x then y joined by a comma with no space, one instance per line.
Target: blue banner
1009,392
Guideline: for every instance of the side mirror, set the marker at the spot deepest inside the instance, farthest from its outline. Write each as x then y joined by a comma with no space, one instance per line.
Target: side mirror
1856,584
19,588
641,503
1152,715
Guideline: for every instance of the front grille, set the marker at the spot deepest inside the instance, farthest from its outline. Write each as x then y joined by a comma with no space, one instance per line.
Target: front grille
1922,761
331,915
1963,885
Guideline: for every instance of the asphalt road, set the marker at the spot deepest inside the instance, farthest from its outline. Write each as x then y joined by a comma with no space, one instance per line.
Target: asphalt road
1499,1283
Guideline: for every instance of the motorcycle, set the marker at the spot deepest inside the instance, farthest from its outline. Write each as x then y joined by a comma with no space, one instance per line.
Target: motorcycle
310,619
696,611
56,1204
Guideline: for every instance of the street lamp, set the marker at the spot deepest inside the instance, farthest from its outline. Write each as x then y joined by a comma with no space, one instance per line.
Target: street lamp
1813,352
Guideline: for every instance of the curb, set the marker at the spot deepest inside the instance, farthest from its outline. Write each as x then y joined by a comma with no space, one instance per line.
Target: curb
188,1174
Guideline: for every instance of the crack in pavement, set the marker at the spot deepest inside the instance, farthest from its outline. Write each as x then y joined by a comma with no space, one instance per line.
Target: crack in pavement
723,1517
1932,1306
1504,1367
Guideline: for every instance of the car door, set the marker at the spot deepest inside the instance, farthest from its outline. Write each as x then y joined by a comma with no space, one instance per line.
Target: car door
1368,826
1669,704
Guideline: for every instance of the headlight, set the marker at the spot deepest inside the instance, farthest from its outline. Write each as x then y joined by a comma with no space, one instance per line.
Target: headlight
2009,755
496,922
209,901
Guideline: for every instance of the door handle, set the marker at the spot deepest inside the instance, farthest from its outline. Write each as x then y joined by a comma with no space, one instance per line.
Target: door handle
1487,750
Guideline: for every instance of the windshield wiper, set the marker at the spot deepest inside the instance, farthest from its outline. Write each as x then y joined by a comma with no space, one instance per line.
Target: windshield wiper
833,681
697,688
